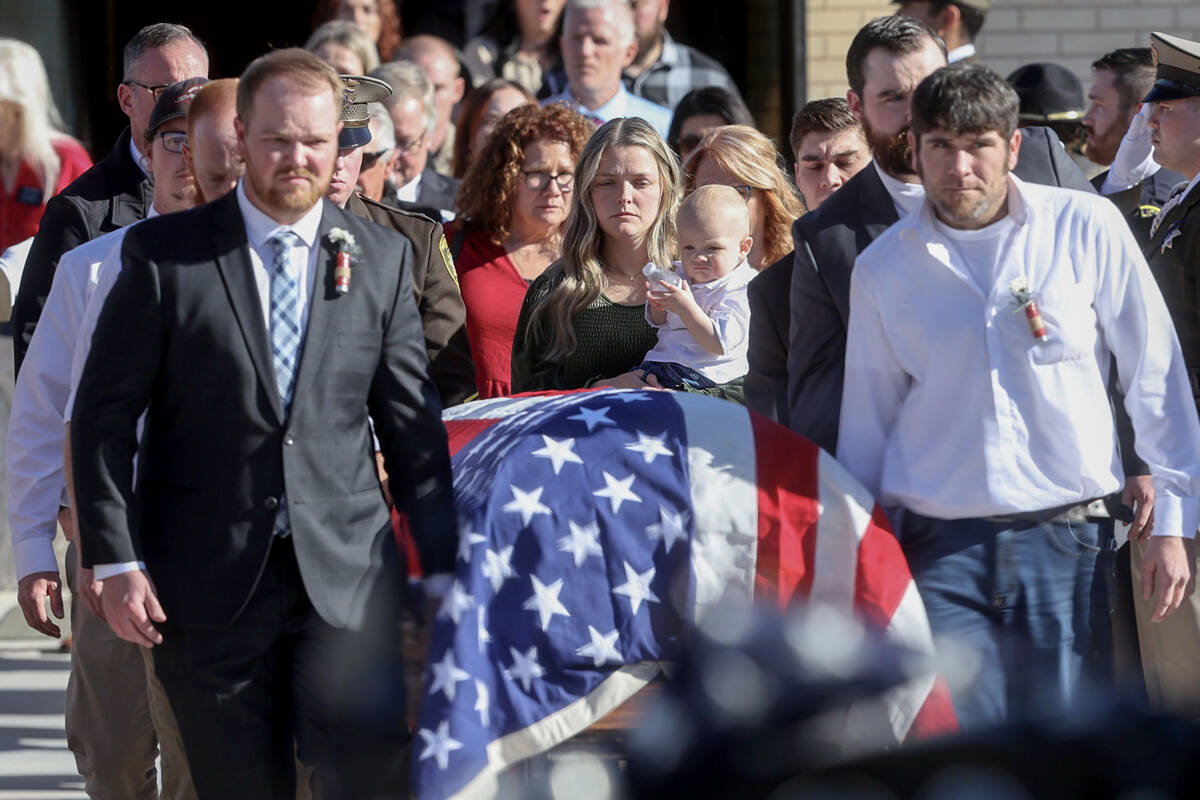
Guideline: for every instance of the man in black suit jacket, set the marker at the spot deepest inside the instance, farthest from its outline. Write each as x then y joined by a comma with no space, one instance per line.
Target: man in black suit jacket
437,190
257,511
115,191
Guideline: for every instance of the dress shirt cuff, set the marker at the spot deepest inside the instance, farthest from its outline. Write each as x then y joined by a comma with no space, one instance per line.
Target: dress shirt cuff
1176,516
34,554
102,571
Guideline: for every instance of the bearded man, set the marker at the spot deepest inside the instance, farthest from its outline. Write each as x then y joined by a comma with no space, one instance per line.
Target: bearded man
265,333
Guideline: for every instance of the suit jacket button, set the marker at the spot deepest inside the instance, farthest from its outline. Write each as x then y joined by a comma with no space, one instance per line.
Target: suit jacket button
288,441
271,503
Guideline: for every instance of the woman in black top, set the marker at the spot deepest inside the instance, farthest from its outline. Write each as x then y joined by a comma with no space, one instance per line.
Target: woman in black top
583,320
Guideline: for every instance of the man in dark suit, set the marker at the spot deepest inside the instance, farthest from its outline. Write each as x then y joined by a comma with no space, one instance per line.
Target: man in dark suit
116,190
414,115
886,61
261,331
435,284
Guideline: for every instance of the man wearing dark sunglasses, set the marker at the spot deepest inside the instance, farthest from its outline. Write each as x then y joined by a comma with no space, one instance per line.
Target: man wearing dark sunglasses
115,192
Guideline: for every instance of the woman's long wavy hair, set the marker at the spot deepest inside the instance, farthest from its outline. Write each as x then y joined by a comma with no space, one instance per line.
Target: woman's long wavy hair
583,242
752,158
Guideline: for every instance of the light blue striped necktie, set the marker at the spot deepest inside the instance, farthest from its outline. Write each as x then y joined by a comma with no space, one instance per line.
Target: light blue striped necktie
285,334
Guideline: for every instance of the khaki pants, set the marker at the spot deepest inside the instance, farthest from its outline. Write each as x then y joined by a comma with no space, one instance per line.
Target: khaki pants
117,716
1170,649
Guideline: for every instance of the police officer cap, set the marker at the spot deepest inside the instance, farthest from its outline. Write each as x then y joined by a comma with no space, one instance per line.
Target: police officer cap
1048,93
359,90
1178,67
173,103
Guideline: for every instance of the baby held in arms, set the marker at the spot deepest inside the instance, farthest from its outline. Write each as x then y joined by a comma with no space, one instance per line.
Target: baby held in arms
703,322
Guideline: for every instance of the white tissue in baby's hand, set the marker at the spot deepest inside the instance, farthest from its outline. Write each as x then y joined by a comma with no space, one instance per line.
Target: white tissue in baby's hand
654,275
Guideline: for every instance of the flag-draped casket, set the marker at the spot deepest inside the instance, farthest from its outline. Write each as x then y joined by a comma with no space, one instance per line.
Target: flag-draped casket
595,528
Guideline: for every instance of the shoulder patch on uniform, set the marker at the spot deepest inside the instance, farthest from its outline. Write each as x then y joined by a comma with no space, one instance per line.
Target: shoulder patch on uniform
1146,211
444,249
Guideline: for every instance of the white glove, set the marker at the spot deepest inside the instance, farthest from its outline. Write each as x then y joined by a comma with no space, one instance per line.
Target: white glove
1134,161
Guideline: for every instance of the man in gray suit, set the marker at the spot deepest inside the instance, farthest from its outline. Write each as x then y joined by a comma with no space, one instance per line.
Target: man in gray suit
260,331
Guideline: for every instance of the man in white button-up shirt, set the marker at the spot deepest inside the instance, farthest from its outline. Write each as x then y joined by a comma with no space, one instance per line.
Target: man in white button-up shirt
110,707
985,420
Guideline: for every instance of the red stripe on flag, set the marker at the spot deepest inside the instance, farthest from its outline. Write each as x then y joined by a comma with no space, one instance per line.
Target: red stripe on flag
883,575
462,431
787,512
936,717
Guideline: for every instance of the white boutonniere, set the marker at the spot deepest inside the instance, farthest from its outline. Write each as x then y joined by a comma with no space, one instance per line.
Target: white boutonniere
344,245
1026,300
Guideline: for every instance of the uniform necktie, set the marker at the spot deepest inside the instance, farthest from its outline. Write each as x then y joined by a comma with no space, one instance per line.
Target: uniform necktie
284,327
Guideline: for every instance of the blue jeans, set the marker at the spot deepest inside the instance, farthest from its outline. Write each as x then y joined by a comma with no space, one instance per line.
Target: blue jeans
1028,599
674,376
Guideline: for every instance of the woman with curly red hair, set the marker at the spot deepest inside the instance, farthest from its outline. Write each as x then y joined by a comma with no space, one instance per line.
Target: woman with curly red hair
378,19
512,207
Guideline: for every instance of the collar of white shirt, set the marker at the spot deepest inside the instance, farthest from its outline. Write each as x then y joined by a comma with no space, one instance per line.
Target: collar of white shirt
260,227
959,53
138,158
408,192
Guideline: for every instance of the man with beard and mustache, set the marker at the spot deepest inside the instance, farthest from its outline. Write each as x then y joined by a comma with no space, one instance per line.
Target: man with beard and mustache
986,433
117,717
266,332
1120,80
888,57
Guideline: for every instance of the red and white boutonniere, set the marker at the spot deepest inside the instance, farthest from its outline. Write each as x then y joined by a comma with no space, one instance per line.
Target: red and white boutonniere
1026,301
344,245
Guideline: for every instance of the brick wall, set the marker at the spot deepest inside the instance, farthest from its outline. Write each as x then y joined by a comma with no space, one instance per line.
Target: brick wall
1069,32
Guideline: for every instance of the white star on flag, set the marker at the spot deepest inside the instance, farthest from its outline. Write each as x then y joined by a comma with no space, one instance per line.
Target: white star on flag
446,676
481,631
526,503
558,451
467,540
651,447
497,567
581,542
670,528
455,602
525,667
632,395
482,700
637,587
544,600
602,649
617,491
438,745
593,417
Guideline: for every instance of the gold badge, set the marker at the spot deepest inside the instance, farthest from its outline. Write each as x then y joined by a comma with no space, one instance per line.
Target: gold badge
447,259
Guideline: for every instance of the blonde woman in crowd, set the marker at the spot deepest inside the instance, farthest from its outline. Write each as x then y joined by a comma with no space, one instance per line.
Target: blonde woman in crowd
344,46
741,157
37,160
583,320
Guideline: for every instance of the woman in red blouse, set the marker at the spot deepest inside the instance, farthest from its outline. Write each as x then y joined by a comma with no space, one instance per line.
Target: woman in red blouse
512,206
36,160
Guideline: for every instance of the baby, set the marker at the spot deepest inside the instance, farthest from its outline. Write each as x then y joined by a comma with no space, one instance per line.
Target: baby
703,323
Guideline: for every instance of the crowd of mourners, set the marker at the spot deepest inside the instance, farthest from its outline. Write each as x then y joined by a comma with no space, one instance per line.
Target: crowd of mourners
980,293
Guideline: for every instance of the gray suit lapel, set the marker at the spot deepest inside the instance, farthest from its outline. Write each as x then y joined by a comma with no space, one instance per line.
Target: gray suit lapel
233,262
320,308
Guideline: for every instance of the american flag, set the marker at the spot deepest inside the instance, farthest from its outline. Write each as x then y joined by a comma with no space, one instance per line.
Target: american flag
595,527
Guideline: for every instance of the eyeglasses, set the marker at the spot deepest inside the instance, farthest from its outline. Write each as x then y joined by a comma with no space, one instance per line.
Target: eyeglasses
154,91
412,145
537,181
369,159
172,141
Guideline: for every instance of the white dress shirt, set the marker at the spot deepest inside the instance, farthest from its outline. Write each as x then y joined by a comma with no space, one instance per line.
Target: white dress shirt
906,197
959,53
952,409
259,229
408,192
36,429
727,304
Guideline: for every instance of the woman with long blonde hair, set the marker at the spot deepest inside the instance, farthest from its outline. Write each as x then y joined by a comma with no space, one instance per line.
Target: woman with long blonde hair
583,320
742,157
37,160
